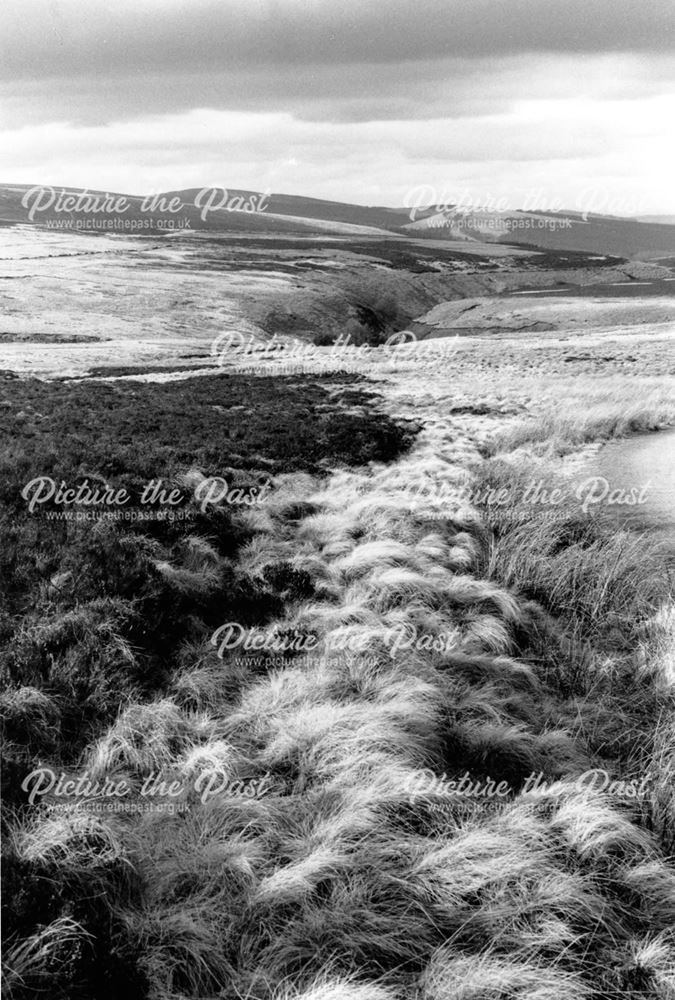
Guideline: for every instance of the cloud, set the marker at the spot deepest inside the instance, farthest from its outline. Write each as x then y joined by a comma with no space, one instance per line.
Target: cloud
360,99
63,38
449,88
562,147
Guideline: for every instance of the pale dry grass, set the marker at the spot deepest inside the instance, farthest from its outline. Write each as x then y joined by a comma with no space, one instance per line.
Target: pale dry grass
343,882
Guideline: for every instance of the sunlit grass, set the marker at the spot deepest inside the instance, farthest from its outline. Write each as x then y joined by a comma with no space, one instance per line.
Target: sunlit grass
350,878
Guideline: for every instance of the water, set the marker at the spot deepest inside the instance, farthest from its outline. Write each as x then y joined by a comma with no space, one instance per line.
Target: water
643,467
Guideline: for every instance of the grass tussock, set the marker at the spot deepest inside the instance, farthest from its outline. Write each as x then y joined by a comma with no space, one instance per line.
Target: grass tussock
590,412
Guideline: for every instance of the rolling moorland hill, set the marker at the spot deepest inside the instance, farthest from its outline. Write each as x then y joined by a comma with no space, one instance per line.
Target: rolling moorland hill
259,212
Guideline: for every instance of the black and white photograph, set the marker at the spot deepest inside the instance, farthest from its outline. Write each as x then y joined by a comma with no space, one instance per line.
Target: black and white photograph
337,499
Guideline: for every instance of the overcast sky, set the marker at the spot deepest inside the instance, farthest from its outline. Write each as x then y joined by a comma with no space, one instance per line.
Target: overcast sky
372,101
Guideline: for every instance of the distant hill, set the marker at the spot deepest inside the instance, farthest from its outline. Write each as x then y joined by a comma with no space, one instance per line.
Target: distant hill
194,208
599,234
259,213
661,220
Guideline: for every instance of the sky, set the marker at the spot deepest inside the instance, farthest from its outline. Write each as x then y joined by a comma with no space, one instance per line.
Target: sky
535,103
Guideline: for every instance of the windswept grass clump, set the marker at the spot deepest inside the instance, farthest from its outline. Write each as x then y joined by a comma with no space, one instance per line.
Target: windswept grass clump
28,964
602,583
591,411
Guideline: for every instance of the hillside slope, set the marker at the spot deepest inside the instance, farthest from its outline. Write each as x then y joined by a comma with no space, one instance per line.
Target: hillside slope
263,212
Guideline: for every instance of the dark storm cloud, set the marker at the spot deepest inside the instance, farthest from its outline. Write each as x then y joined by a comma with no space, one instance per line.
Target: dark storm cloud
68,38
415,90
441,88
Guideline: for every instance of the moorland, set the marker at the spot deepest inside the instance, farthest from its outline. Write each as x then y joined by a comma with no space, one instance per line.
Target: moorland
336,860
